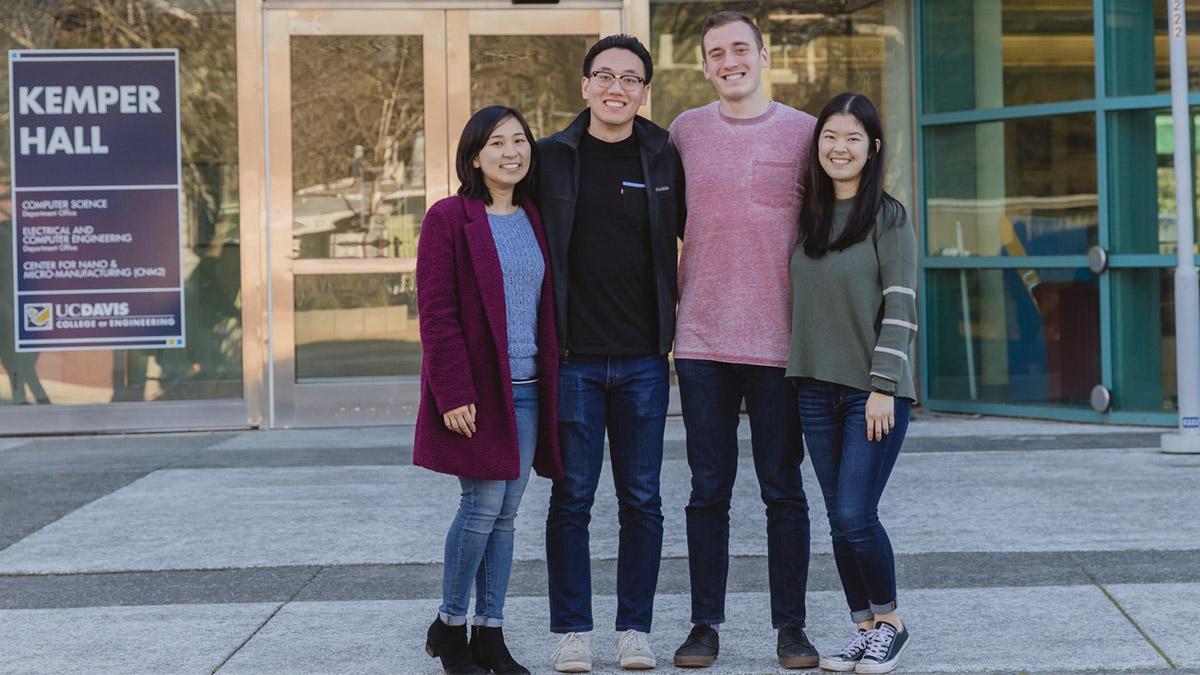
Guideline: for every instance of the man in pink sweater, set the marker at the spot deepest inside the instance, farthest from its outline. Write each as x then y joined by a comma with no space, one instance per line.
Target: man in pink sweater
744,158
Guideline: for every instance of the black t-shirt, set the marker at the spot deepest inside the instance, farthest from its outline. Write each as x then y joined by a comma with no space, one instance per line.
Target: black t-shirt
611,307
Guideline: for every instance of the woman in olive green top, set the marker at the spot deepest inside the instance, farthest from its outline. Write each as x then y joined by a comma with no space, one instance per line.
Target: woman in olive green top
853,319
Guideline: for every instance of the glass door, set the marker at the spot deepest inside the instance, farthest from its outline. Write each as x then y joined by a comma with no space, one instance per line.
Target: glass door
364,112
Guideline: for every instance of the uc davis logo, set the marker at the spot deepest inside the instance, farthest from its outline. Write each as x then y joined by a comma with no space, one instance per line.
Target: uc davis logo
39,316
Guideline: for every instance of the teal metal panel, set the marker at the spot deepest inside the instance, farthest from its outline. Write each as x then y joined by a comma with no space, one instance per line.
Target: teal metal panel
1141,260
1014,112
923,241
1137,102
1006,262
1164,419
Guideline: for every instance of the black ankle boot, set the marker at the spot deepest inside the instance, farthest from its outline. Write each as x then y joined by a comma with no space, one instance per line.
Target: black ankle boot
450,643
489,651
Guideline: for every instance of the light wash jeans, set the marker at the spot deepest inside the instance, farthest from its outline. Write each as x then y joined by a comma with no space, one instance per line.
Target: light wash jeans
479,545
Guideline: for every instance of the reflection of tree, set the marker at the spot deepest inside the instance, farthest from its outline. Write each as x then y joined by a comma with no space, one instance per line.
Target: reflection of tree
20,367
208,88
349,91
204,33
843,62
340,291
512,71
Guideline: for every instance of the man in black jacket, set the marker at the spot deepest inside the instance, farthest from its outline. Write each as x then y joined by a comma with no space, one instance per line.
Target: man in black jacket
611,197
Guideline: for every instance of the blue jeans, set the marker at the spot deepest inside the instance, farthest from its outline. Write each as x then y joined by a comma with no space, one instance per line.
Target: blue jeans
627,395
479,545
853,472
711,393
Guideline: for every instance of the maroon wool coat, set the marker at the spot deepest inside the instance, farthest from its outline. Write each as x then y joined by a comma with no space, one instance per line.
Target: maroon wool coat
464,342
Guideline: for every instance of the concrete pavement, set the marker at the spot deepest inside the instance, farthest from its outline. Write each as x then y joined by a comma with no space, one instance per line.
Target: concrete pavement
1021,546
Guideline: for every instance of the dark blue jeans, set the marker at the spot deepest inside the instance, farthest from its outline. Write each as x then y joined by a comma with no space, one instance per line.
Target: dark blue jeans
711,393
627,395
853,472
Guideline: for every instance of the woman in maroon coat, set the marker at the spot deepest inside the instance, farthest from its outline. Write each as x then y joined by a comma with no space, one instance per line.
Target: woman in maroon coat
488,375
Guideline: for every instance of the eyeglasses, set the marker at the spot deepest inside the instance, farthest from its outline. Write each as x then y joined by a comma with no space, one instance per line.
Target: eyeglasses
605,80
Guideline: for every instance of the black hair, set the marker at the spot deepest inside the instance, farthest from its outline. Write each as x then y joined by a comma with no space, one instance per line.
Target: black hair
474,137
727,17
816,214
619,41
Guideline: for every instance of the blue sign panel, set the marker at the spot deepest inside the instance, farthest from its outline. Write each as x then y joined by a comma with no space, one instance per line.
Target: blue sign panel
97,199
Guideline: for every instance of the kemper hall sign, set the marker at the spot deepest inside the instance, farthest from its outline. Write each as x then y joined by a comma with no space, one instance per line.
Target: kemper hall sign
97,199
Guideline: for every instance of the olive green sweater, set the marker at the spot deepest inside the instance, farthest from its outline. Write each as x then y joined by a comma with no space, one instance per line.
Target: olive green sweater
854,311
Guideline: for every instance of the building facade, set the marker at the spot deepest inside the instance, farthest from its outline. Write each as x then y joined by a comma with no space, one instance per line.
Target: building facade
1024,135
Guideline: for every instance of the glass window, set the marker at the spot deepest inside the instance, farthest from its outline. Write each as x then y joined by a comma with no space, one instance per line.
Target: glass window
1144,369
1013,188
356,325
1141,180
817,50
995,53
211,364
1139,54
1022,336
358,146
512,70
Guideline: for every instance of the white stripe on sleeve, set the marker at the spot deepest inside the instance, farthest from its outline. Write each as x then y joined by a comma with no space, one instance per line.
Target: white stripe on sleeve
893,352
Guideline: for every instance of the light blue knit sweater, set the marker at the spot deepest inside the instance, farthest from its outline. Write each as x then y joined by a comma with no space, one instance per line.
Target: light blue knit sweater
523,268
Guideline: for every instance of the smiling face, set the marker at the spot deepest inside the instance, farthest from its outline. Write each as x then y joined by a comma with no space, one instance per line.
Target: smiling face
504,160
733,62
843,148
613,108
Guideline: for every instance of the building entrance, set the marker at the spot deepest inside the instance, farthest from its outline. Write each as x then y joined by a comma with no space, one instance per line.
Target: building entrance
364,109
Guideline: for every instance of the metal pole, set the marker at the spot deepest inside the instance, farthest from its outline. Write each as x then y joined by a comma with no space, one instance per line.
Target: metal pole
1187,294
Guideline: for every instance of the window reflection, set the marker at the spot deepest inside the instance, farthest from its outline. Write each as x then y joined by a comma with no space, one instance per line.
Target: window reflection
356,325
1142,180
1139,56
1015,188
818,49
996,53
1014,336
358,146
513,70
1144,370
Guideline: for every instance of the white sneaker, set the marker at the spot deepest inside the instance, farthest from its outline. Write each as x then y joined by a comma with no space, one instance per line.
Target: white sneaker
573,653
633,650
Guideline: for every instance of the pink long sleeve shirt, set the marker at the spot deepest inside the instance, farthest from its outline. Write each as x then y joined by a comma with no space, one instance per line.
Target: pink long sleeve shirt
744,186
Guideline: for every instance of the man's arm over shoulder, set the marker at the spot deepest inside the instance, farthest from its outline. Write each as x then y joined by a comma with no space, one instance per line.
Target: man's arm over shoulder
680,186
681,128
546,151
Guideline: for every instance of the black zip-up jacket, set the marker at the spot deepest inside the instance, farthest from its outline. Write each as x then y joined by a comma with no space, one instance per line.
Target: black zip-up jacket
558,190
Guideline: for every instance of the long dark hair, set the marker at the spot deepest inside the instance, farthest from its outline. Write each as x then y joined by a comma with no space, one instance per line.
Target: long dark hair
816,214
474,137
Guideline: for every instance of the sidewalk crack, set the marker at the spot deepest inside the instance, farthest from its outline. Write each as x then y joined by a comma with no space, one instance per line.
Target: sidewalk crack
266,621
1130,619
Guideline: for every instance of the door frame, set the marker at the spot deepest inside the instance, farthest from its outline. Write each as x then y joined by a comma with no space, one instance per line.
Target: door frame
445,36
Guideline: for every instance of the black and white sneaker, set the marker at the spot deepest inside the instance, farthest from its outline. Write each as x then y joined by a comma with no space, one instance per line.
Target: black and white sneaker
884,647
845,660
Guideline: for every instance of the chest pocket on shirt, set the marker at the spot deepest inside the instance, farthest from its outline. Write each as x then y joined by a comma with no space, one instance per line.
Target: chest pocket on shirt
774,183
633,201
